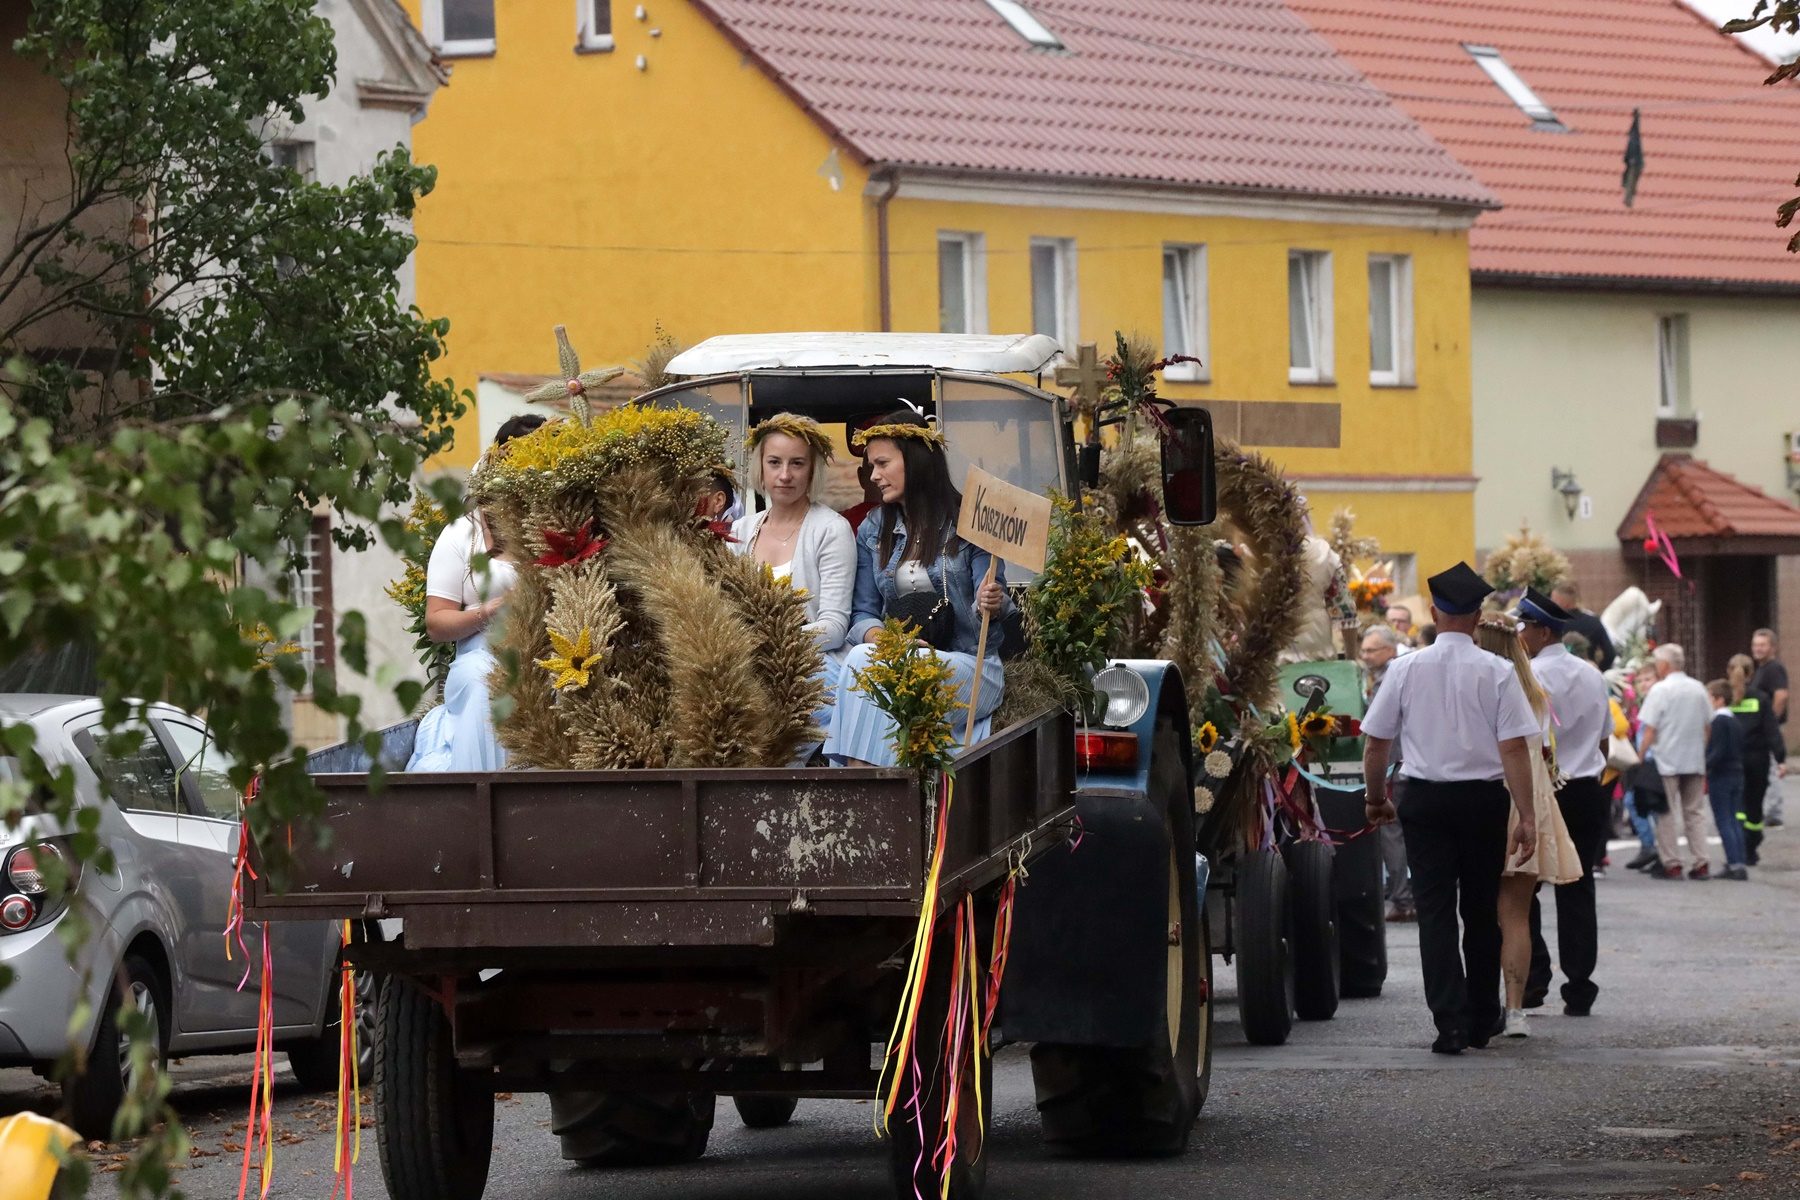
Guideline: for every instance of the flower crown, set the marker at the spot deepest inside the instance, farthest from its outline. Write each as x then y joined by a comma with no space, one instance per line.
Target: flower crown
898,431
800,428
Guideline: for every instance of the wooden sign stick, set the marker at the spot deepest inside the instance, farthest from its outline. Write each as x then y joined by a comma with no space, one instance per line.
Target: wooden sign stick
980,654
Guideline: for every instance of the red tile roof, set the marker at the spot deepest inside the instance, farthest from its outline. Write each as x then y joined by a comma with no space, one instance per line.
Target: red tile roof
1205,94
1720,149
1691,500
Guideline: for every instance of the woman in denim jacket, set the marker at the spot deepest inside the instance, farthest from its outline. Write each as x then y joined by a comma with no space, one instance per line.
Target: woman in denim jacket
907,464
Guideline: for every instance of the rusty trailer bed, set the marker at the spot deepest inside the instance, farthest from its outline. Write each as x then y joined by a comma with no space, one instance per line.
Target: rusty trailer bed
549,860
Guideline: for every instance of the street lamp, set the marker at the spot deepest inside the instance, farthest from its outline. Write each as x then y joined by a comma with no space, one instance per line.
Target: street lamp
1565,484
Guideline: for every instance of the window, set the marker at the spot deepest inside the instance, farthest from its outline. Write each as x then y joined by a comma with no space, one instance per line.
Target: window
1053,289
208,767
1672,366
1309,316
297,157
312,589
1025,25
1184,310
962,283
141,779
593,25
1390,320
1501,72
460,26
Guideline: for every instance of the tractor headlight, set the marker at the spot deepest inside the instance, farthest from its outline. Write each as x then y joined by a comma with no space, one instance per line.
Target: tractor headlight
1125,695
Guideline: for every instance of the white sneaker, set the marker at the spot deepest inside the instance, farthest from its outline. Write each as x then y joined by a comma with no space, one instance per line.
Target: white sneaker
1515,1023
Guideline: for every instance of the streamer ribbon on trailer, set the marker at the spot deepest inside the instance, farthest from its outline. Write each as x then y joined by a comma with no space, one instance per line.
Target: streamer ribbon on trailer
347,1151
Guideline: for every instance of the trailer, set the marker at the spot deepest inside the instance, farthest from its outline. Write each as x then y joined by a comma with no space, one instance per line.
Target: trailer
637,943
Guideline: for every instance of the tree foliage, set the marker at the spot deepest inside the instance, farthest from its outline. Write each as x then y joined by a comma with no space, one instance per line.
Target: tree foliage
198,348
1781,16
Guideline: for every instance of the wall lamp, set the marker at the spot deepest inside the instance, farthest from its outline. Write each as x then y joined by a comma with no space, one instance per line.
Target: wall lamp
1566,486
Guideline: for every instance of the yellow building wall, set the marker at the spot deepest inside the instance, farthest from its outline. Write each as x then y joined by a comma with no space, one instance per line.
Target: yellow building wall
1406,433
575,189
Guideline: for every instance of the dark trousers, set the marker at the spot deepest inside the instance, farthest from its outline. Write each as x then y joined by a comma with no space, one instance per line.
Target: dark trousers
1756,786
1586,810
1455,849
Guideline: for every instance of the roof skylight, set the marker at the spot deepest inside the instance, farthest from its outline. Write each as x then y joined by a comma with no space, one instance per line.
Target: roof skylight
1516,89
1025,25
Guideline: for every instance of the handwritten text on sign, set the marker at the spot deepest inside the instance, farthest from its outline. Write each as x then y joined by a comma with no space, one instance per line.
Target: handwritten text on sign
1008,522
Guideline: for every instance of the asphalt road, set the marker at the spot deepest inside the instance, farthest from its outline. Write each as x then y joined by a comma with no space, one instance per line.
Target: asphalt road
1685,1081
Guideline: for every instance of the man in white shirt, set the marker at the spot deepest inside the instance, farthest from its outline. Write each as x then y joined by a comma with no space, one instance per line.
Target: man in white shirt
1676,720
1461,720
1581,716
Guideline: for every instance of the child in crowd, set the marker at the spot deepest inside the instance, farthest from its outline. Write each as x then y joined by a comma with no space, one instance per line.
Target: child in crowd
1725,778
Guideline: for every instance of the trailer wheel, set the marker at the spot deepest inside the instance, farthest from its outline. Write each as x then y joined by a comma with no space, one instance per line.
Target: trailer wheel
765,1112
910,1149
1361,906
1105,1100
1264,939
1316,965
434,1121
626,1129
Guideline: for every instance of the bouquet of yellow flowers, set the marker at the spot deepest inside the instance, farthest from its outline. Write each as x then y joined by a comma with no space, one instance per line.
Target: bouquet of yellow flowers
917,691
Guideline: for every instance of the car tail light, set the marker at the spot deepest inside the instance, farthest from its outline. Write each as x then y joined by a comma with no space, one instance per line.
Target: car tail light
25,868
16,912
1106,751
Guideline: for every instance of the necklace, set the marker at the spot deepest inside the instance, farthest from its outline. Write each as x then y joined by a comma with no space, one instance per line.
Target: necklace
783,540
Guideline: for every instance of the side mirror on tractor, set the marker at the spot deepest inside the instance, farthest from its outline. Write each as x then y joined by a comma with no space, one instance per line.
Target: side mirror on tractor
1189,477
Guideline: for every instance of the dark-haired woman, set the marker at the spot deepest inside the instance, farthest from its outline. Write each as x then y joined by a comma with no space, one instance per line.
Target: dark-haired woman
908,547
461,601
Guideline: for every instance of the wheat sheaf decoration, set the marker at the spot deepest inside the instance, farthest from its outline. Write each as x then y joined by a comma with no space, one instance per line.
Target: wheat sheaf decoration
633,637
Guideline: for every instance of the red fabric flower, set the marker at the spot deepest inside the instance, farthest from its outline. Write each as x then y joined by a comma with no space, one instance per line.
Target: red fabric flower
570,547
720,530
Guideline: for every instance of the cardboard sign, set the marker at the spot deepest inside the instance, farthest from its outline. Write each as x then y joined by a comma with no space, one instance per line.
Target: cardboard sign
1008,522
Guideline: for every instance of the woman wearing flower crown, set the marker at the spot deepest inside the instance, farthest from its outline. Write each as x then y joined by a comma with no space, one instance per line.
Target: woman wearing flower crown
1554,860
460,602
907,554
799,539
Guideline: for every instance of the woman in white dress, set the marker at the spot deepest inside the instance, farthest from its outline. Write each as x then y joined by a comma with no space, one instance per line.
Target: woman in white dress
799,539
1555,860
461,601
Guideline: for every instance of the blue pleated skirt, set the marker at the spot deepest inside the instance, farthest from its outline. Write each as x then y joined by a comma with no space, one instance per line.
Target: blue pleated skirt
458,735
862,731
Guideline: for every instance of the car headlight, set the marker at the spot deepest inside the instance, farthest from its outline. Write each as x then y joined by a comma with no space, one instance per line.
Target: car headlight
1125,695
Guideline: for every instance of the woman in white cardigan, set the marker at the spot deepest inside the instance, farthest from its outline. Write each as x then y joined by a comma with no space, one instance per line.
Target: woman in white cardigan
798,538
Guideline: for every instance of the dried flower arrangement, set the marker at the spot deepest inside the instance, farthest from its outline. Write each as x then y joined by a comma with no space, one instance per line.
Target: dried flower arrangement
633,637
1526,560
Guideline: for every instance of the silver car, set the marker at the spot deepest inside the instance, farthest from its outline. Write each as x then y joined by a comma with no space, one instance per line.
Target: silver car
170,815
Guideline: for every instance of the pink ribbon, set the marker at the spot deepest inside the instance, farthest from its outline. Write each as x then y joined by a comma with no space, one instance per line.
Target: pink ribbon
1659,541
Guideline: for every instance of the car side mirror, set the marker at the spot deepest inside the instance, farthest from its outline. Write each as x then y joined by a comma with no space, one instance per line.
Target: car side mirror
1189,475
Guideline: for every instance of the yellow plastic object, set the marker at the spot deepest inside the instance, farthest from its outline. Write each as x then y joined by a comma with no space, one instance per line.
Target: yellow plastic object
28,1161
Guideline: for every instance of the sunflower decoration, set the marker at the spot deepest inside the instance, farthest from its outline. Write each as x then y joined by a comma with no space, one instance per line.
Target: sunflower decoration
1206,738
1317,728
1293,732
572,661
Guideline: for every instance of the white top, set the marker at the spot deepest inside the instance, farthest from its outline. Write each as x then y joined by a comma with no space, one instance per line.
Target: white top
1579,708
995,353
823,566
1450,705
1679,709
449,575
784,571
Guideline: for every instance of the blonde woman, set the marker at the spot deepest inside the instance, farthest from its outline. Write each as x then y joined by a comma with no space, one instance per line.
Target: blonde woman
799,539
1555,859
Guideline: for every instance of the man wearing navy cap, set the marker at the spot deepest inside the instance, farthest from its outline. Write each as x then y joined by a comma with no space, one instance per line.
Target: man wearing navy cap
1583,720
1462,721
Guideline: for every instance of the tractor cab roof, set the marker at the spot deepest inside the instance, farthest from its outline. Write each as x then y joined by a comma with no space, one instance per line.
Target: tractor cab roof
998,353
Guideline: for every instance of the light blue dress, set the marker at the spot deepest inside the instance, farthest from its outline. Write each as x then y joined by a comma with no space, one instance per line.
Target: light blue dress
860,730
458,735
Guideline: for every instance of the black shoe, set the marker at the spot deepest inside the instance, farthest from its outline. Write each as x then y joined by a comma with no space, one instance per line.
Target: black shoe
1577,1010
1532,1000
1658,871
1451,1043
1751,858
1642,861
1737,874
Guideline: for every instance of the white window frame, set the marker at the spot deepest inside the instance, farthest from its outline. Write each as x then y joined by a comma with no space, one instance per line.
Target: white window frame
1495,66
1190,259
431,13
1672,366
1400,321
586,40
1066,286
974,256
1317,268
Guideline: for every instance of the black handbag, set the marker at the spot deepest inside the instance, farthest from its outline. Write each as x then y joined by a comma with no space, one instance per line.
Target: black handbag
1647,788
928,612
